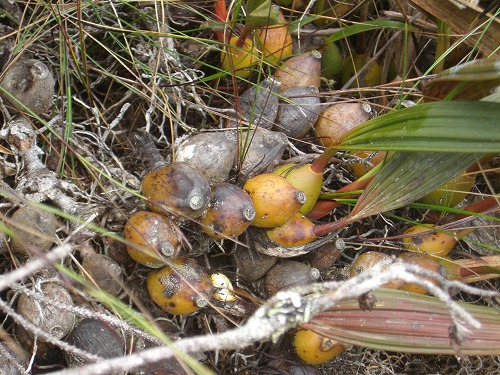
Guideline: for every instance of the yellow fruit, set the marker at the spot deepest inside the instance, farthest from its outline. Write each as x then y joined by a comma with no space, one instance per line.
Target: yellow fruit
433,243
305,179
276,41
315,349
239,60
274,198
181,289
451,193
369,259
151,237
359,169
295,232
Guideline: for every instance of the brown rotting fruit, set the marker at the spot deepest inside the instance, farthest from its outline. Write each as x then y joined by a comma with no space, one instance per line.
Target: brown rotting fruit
288,273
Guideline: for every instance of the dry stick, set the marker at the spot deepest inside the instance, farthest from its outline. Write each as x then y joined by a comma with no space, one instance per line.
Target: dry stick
289,308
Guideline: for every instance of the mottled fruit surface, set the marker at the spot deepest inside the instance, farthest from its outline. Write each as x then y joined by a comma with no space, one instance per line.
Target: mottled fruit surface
313,348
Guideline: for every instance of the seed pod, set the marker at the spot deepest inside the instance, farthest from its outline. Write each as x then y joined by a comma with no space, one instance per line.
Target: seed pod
250,264
275,40
214,153
369,259
423,261
180,289
47,316
238,60
315,349
223,288
435,243
262,149
104,272
288,273
230,213
359,169
300,70
299,110
178,188
452,192
95,337
338,119
152,237
30,83
34,230
259,103
274,198
297,231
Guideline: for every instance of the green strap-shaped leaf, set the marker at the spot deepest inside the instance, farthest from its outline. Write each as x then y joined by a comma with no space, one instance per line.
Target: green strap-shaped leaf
406,177
455,126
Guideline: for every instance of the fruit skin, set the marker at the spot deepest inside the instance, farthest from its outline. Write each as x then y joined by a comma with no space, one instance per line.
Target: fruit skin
275,40
230,213
369,78
180,289
300,70
274,198
423,261
238,60
104,272
313,348
451,193
295,232
250,264
288,273
152,237
178,188
305,179
337,119
298,111
433,243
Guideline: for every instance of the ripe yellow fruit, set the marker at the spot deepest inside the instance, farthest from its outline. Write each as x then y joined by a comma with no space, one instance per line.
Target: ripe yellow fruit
451,193
274,198
433,243
297,231
359,169
239,60
276,41
180,289
315,349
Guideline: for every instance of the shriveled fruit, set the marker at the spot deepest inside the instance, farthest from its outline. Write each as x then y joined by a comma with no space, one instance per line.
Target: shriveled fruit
212,152
230,213
274,198
423,261
34,230
275,40
179,188
180,289
433,243
359,169
300,70
451,193
298,111
295,232
104,272
313,348
370,77
339,118
238,59
151,237
288,273
304,178
31,83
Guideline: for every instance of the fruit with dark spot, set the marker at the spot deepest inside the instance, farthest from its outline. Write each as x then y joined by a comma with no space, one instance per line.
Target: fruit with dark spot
180,288
425,262
429,241
152,237
274,198
297,231
313,348
179,189
230,212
